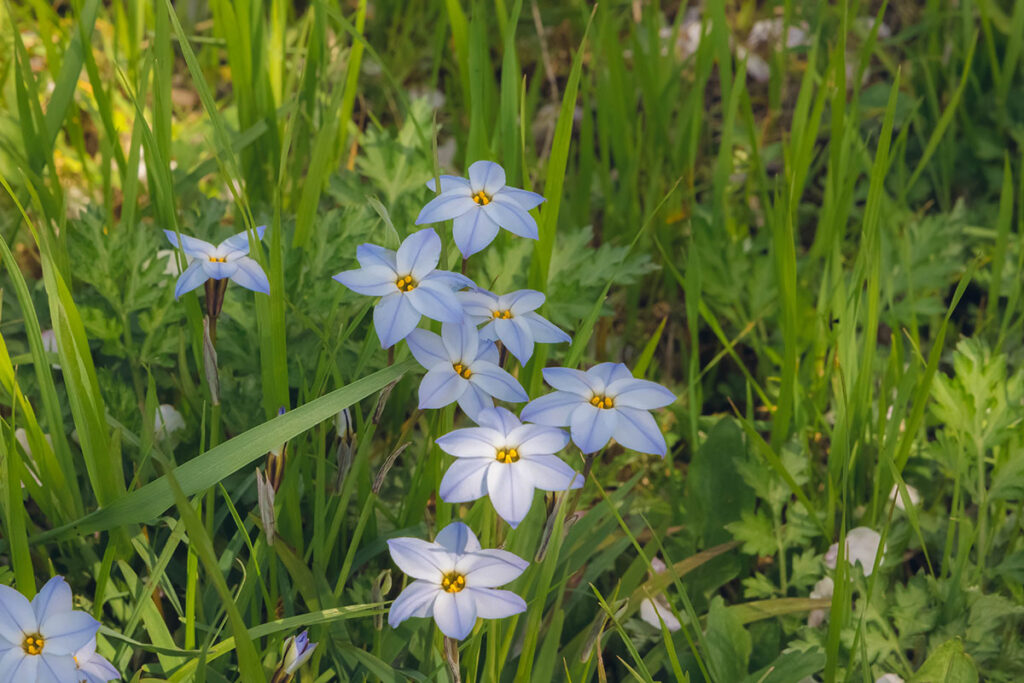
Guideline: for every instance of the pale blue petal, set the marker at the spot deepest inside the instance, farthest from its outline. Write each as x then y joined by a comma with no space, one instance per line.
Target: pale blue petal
16,666
440,386
570,379
394,318
98,668
219,270
543,331
240,241
55,668
479,303
496,604
489,568
457,538
418,254
488,352
417,600
539,440
373,255
473,231
510,488
419,559
524,198
449,279
515,334
507,214
637,430
195,248
65,632
502,420
427,348
53,598
550,473
193,277
554,409
592,427
455,613
640,393
487,176
16,616
437,302
474,400
251,276
451,183
496,382
521,301
461,340
465,480
471,442
445,206
374,280
606,373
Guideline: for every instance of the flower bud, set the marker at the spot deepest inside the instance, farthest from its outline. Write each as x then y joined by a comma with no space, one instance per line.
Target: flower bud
297,652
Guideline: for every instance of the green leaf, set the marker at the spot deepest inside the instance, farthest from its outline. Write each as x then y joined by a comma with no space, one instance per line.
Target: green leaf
947,664
716,495
728,643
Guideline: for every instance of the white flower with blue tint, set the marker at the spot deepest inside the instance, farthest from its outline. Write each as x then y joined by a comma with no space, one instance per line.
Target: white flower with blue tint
229,259
461,368
861,547
506,460
39,639
407,283
455,581
511,318
603,403
93,667
480,205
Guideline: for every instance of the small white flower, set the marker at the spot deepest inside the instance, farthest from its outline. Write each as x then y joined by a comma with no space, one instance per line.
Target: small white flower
861,546
889,678
822,591
455,581
50,344
167,421
506,460
912,494
656,611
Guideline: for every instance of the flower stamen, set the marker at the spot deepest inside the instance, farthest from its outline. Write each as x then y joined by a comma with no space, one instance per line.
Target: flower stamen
406,284
218,259
462,371
603,402
453,582
482,198
502,315
507,456
33,644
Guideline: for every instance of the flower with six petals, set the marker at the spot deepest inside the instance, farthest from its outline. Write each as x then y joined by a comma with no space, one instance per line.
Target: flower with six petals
602,403
461,368
506,460
409,284
39,639
229,259
511,318
455,581
480,205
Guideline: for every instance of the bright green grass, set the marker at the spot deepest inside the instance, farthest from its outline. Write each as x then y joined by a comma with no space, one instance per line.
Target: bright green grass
826,267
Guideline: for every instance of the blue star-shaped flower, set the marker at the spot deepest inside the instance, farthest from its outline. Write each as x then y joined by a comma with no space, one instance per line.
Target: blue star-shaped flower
511,318
229,259
480,205
602,403
408,283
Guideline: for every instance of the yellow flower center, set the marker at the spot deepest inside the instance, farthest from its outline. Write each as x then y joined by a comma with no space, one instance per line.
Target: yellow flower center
482,198
507,456
503,315
462,370
406,284
33,644
603,402
453,582
218,259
